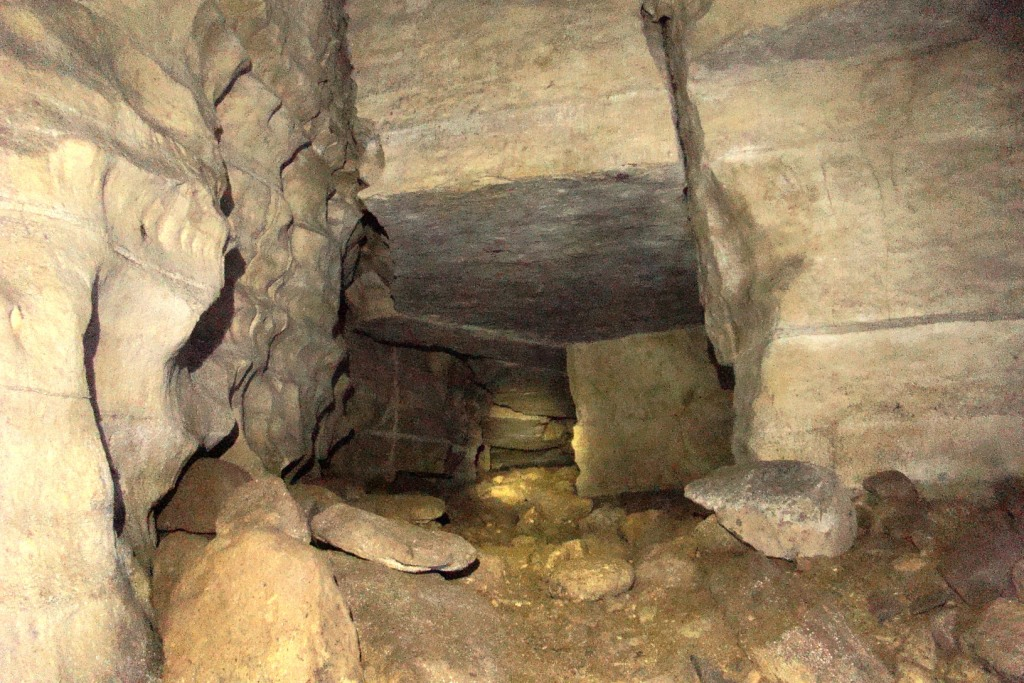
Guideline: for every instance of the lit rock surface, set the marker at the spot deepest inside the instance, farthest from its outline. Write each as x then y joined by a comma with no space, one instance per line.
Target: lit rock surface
531,158
855,192
395,544
259,606
169,270
590,578
651,412
408,507
263,504
784,509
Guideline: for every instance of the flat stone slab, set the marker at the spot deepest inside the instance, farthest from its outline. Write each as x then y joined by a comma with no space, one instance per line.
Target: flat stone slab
393,543
783,508
528,151
407,507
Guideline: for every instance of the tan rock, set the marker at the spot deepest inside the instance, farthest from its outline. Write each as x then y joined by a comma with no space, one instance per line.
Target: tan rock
651,412
259,606
177,552
200,495
589,579
263,504
395,544
408,507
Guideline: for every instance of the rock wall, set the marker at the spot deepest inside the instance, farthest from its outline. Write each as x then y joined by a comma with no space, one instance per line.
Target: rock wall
651,412
176,185
855,177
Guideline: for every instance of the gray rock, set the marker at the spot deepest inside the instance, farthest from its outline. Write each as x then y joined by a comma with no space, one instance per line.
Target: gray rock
393,543
978,564
783,508
604,520
588,579
998,638
313,499
263,504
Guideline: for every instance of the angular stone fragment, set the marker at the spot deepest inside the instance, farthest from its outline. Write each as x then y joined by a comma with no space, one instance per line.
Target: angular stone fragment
395,544
821,649
589,579
197,500
407,507
998,638
979,563
259,606
783,508
263,504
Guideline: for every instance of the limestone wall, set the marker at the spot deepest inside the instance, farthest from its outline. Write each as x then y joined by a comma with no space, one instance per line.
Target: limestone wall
856,182
176,183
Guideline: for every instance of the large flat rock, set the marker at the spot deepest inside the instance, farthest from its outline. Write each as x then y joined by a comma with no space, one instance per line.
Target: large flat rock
529,155
651,413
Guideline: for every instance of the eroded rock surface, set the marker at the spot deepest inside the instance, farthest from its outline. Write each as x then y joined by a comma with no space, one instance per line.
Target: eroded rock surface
784,509
199,496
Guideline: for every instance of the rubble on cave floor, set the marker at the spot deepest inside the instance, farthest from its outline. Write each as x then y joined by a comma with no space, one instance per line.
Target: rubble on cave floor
650,588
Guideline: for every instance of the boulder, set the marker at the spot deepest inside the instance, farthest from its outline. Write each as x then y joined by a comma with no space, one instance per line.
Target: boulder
263,504
785,509
978,564
422,628
177,552
589,579
200,493
998,638
259,606
395,544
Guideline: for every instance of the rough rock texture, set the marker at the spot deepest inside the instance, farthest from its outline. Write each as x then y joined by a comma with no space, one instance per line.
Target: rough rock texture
651,412
408,507
199,496
998,638
263,504
854,176
259,606
591,578
784,509
171,268
395,544
978,564
423,629
528,153
177,552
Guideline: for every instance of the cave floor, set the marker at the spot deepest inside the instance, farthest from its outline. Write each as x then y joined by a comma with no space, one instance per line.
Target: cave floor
703,606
